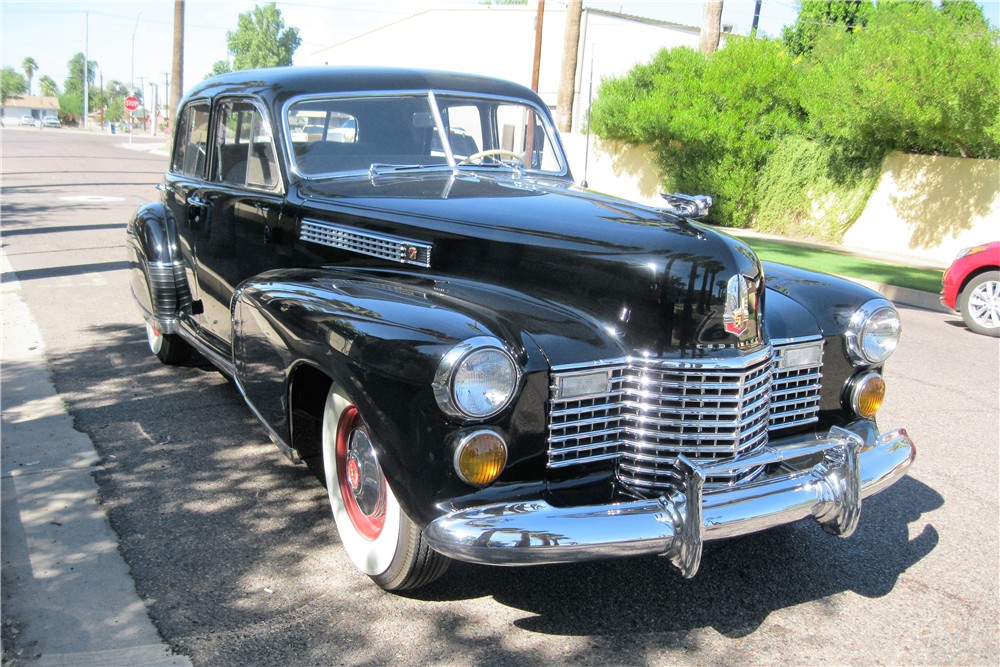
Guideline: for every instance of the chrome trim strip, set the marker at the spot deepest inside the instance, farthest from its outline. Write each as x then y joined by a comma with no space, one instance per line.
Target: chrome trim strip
782,342
735,363
352,239
206,350
290,453
163,326
852,465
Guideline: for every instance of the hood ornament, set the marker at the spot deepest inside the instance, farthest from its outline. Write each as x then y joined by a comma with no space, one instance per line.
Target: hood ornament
737,313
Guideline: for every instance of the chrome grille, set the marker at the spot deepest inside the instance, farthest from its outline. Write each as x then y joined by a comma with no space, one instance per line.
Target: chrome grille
396,249
654,410
795,397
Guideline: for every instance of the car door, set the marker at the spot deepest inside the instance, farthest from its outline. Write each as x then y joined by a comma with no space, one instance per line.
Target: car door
182,185
245,232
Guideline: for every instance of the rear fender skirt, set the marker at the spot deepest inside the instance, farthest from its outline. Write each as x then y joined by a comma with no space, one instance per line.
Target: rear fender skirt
156,268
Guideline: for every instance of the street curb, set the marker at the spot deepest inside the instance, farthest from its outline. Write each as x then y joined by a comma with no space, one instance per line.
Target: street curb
69,599
903,296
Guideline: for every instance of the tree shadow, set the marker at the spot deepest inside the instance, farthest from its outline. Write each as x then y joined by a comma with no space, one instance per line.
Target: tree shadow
940,198
235,555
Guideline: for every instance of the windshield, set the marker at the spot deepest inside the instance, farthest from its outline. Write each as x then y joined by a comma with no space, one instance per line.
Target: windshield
393,133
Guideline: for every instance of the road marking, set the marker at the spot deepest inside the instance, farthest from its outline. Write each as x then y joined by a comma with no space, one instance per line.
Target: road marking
91,198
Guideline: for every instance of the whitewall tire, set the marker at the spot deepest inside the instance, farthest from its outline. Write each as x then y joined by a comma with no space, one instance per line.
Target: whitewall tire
378,537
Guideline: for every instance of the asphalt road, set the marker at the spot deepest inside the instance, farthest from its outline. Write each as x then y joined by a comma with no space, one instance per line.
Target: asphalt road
234,553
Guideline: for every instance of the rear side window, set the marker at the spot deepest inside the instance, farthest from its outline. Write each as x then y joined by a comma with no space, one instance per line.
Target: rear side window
244,146
191,151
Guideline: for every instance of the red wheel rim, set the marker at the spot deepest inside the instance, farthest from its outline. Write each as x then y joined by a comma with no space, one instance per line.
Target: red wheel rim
369,527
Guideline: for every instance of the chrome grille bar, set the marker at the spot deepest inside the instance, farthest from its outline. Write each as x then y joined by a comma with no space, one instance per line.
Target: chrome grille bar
710,411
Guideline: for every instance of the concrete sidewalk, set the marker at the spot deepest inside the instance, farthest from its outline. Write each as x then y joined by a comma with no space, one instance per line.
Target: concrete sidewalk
68,598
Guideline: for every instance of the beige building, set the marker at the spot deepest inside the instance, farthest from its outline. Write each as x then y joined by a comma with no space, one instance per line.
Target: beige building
499,41
35,106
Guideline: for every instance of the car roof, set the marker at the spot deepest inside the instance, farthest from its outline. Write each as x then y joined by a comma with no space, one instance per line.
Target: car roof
275,85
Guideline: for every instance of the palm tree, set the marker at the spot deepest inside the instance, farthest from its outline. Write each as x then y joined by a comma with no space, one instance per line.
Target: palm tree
30,67
49,86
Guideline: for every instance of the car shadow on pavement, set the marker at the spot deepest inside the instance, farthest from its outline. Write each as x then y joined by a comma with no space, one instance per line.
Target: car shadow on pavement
228,543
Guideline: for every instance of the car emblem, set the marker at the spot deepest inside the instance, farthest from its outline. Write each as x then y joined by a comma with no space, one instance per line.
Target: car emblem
412,252
737,315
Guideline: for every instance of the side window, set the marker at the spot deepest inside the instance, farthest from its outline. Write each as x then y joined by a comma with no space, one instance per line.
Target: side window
191,150
244,147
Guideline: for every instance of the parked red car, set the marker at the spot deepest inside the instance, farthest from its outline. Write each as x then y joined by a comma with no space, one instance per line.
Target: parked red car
972,287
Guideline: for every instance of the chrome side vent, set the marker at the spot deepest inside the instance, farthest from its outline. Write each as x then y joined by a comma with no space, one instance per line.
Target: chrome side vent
392,248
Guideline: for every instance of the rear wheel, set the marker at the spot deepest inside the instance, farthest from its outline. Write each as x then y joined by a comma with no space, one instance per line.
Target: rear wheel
171,349
981,304
380,540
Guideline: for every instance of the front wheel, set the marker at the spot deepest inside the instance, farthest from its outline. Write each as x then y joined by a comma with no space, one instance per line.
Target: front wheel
379,538
981,304
171,349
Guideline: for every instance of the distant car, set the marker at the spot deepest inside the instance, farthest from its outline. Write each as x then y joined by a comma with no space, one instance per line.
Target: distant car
51,121
27,120
971,285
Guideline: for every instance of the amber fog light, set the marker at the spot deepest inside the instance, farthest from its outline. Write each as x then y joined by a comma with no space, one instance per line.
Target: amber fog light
480,457
867,394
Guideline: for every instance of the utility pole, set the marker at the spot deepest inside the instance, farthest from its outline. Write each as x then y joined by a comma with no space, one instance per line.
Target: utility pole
156,99
134,30
177,77
567,77
756,19
101,128
86,74
538,45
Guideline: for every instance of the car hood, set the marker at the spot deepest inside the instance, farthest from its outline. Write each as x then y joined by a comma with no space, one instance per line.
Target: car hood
627,279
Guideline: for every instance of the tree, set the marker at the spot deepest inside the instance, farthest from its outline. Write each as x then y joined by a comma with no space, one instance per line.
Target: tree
11,84
219,67
918,78
712,122
48,85
30,67
818,17
711,26
567,75
74,82
261,39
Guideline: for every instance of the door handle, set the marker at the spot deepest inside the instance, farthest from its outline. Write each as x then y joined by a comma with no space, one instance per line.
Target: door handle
263,208
165,188
196,201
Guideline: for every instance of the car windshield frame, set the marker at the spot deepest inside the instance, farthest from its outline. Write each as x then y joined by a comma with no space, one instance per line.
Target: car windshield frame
376,169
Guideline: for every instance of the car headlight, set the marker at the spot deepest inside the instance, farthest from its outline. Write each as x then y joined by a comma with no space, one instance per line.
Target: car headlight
873,332
476,379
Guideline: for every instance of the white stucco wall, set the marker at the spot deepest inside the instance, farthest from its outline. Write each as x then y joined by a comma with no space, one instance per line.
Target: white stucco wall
930,207
614,169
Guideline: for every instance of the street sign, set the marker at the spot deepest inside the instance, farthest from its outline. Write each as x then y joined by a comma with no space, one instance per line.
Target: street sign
131,103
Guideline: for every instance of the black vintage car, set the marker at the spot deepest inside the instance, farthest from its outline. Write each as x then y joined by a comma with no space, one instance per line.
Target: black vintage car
485,361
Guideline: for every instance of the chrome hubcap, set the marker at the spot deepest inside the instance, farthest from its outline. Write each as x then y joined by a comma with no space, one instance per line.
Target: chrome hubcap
365,475
984,305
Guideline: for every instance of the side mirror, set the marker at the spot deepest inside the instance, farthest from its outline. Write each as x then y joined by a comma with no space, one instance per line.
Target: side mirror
689,206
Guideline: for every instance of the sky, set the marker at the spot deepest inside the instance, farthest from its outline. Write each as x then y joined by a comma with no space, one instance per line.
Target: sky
133,40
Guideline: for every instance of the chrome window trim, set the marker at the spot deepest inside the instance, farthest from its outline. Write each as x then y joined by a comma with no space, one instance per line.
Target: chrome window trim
431,94
173,148
445,375
279,188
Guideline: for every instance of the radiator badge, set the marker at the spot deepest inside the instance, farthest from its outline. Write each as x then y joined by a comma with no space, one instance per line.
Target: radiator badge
737,315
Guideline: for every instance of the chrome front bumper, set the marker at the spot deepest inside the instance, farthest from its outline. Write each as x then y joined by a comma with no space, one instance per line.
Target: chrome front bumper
823,478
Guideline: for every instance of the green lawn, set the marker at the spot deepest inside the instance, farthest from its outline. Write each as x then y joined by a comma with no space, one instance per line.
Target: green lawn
830,261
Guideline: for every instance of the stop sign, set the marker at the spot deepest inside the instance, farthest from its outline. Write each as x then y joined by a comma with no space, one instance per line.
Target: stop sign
131,103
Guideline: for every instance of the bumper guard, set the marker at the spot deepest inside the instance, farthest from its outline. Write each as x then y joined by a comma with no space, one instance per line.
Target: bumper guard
825,478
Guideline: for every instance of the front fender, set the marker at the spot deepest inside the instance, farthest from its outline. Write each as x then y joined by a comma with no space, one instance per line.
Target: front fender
380,341
156,267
